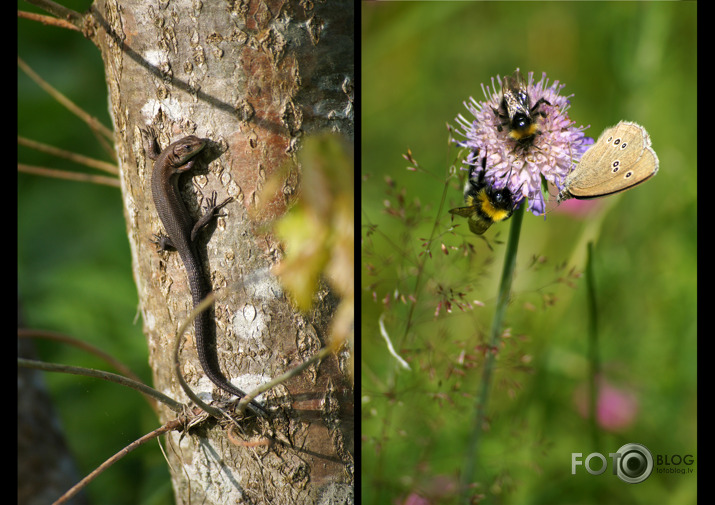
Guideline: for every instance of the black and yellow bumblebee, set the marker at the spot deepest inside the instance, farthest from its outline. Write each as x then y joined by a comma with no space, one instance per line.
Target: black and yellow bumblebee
486,205
516,111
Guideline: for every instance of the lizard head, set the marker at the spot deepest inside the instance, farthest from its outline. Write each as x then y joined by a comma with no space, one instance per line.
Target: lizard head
186,148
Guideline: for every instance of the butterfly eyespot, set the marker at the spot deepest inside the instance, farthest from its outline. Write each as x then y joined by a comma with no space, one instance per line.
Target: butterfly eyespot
624,145
628,175
616,142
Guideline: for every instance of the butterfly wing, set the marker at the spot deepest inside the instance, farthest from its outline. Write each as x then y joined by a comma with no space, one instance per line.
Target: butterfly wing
621,159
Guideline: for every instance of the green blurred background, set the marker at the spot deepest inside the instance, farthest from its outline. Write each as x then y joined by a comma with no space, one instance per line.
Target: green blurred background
625,60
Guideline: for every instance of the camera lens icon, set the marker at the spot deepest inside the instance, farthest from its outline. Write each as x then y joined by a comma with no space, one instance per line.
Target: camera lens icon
635,463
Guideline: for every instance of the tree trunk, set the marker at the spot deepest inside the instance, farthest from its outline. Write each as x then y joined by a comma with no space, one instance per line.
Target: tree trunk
252,76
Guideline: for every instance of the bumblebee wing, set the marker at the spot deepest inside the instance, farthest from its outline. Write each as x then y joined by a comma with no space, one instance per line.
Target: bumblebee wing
515,81
463,211
477,225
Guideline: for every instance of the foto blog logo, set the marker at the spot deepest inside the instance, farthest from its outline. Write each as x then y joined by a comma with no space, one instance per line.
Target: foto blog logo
632,463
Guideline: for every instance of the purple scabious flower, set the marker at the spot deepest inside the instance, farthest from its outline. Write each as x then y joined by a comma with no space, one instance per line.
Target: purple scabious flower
515,155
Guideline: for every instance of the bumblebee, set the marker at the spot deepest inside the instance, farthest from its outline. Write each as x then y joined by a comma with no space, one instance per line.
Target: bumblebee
486,205
516,112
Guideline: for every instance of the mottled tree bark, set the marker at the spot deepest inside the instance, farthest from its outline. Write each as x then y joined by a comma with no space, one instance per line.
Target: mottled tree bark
254,77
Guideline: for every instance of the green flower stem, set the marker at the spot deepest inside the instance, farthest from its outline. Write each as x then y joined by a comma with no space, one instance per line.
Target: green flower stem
593,357
472,454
